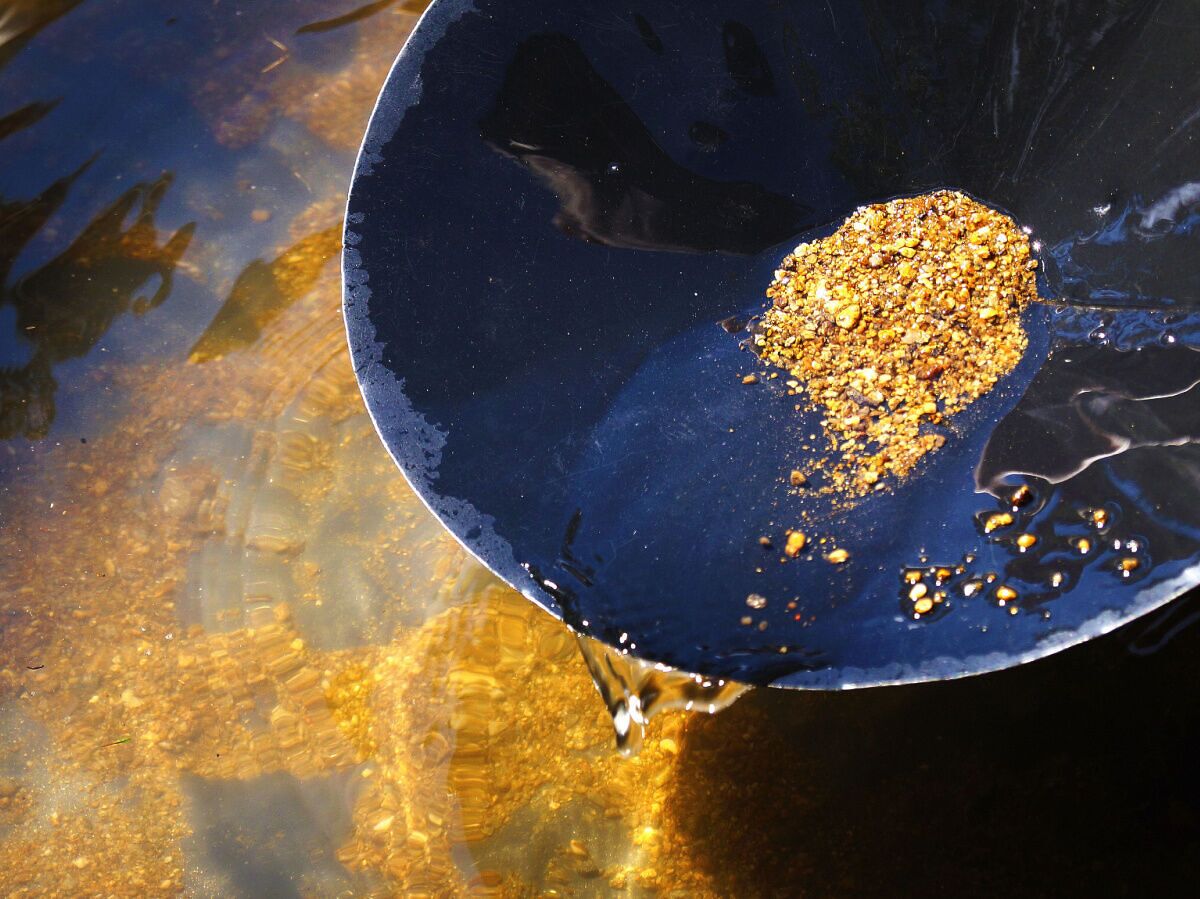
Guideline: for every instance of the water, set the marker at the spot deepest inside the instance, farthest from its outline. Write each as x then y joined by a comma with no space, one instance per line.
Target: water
635,691
239,658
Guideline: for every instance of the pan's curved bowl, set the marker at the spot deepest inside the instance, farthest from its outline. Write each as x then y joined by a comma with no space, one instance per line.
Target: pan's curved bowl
556,203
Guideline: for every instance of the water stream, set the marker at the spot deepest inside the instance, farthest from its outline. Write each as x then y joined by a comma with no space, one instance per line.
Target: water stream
634,691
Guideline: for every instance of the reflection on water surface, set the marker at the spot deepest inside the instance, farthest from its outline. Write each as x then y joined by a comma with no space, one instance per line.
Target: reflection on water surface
240,658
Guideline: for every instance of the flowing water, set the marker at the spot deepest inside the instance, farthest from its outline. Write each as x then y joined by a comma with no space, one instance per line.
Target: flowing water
634,691
239,658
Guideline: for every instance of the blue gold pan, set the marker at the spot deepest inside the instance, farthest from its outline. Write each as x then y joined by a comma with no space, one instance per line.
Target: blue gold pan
556,204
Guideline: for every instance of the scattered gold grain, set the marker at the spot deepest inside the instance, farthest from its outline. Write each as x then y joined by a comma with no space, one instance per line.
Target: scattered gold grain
796,541
999,520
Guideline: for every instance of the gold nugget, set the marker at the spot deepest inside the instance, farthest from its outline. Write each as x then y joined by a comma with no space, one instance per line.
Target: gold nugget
905,315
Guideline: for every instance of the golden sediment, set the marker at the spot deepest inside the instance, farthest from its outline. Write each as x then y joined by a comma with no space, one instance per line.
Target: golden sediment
245,95
905,315
476,709
458,719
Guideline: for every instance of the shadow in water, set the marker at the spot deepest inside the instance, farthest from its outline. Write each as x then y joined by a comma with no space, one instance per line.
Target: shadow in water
234,820
358,13
20,22
66,306
1066,776
263,291
28,115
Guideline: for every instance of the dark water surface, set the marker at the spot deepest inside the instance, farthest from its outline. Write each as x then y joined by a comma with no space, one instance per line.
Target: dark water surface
238,657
